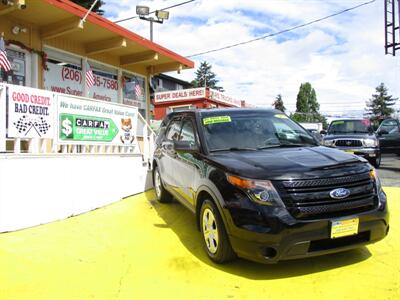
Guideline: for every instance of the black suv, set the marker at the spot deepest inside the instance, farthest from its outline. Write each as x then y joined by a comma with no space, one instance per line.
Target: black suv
263,189
354,136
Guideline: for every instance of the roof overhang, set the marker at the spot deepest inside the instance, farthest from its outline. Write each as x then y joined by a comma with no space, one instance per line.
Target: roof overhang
96,38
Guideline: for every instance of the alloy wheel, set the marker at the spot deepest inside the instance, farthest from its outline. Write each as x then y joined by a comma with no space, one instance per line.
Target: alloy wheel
157,183
210,231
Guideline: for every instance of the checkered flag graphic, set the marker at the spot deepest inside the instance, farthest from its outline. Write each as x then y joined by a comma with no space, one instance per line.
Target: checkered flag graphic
24,125
41,126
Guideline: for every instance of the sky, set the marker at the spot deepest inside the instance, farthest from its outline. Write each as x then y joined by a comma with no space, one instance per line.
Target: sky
342,57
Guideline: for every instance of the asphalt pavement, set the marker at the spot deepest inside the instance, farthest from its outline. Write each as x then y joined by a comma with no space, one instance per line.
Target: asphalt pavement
389,171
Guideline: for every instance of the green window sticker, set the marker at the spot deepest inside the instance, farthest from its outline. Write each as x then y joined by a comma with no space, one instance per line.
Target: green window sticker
337,122
280,116
215,120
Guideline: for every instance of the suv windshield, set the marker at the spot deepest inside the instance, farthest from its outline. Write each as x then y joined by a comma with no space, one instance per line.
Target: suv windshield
231,131
350,126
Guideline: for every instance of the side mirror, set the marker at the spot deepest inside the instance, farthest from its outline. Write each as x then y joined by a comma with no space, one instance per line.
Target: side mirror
185,146
323,132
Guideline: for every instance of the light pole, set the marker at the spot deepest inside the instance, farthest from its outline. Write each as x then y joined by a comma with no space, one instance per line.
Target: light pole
144,11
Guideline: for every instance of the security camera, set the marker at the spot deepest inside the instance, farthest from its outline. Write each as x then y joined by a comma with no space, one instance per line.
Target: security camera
21,4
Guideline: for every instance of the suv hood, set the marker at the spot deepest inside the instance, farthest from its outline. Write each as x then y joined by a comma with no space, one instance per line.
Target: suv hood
289,163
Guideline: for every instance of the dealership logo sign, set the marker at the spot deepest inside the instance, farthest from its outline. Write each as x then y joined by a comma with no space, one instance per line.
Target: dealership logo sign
339,193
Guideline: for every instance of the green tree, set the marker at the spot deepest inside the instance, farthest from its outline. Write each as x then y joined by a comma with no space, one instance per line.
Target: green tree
88,3
278,103
206,78
307,106
307,99
379,106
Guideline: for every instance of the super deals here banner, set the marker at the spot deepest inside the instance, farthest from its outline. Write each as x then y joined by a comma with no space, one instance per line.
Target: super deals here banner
30,113
94,122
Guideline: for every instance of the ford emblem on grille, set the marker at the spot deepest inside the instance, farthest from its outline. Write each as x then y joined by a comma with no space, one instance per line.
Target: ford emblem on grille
339,193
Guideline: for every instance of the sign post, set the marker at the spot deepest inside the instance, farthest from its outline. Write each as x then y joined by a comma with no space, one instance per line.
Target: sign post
3,109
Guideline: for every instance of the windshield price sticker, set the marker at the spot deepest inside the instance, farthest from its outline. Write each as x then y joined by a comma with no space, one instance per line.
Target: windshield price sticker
215,120
281,116
337,122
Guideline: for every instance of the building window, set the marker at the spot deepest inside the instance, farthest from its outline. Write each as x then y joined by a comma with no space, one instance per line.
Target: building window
19,73
105,86
64,74
133,91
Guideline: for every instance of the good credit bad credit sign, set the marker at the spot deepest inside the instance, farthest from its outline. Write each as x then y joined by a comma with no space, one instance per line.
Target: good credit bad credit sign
95,122
30,113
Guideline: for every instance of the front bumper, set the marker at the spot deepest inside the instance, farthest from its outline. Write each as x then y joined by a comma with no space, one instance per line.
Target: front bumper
364,152
307,238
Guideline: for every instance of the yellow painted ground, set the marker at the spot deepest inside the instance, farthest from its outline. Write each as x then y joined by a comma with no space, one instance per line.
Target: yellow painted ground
138,249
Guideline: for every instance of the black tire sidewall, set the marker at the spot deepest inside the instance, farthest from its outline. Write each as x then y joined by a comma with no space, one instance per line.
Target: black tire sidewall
376,162
164,195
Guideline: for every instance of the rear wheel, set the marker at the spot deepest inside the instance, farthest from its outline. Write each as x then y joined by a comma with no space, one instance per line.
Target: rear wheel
215,238
162,194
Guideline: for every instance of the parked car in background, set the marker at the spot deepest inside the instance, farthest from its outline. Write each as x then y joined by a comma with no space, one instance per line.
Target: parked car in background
389,136
354,136
261,187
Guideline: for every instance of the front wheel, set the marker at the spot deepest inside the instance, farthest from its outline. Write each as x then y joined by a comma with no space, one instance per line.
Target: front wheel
215,238
376,162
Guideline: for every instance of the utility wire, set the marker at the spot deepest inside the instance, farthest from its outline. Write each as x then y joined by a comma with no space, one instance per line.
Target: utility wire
165,8
282,31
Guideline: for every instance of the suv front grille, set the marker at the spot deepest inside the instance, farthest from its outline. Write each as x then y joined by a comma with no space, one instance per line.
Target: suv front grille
307,199
348,143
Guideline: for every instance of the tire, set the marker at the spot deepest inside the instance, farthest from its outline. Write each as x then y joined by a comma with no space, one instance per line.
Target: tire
163,196
215,239
376,162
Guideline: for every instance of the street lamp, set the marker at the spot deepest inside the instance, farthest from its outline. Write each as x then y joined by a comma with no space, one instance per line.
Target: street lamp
144,11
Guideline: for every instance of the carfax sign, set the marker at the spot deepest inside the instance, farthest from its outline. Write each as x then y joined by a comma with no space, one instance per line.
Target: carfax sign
30,113
95,122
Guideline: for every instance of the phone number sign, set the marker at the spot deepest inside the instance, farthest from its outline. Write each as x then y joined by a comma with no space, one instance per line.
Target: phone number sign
68,80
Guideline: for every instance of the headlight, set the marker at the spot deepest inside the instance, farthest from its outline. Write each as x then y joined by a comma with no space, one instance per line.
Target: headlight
370,143
328,143
260,191
374,176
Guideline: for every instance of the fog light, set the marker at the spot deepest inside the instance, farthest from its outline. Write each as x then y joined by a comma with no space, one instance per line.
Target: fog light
269,252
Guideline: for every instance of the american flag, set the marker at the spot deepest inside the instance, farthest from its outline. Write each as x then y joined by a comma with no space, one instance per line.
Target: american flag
89,76
4,62
138,91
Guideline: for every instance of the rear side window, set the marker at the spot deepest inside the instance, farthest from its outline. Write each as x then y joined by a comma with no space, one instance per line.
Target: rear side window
173,130
187,133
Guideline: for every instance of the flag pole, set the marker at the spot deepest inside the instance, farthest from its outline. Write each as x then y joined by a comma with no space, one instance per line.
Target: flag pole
83,20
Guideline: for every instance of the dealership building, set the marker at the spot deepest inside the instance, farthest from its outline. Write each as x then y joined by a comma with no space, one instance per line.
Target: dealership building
74,101
49,47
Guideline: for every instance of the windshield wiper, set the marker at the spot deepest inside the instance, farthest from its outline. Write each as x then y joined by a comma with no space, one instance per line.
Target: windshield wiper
285,145
233,149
